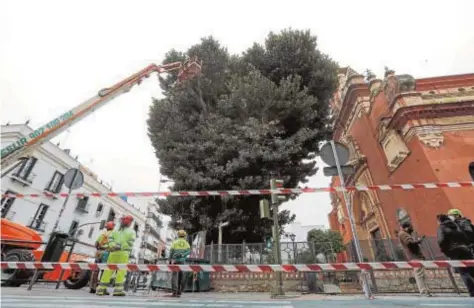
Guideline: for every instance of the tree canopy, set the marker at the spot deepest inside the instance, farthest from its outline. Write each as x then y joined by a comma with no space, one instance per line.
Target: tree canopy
245,119
326,241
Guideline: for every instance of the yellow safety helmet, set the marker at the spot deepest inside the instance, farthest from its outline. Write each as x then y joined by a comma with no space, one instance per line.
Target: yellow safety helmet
454,212
182,233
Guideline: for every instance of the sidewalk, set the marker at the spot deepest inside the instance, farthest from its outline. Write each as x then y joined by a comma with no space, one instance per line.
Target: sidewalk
48,290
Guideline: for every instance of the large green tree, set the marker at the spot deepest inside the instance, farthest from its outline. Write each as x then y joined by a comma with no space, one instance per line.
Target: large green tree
243,120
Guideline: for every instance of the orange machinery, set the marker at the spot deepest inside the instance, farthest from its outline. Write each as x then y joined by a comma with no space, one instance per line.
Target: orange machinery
20,243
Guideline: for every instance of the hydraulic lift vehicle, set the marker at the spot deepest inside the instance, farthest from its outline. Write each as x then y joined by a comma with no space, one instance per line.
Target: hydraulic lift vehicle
20,243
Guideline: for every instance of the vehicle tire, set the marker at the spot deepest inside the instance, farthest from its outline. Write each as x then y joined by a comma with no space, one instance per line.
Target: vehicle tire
81,280
15,277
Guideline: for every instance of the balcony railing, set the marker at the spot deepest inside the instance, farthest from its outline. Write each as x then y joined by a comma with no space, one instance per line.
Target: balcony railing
150,247
37,224
152,231
156,219
25,180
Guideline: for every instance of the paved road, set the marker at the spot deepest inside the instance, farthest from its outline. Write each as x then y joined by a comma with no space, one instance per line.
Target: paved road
18,298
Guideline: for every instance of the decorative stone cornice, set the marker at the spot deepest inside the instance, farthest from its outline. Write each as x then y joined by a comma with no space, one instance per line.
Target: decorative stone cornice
431,136
420,111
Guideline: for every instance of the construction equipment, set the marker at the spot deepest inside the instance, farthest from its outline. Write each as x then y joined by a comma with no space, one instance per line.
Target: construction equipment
22,243
12,154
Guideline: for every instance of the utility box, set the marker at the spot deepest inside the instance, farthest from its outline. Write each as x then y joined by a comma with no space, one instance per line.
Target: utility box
264,208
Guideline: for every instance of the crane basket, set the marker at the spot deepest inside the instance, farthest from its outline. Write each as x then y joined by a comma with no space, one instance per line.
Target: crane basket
191,68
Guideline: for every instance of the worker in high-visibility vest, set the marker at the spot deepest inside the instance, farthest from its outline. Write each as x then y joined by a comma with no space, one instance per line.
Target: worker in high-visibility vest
179,252
120,245
102,253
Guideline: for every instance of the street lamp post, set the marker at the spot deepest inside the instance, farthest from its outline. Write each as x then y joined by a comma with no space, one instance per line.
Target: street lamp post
293,238
219,240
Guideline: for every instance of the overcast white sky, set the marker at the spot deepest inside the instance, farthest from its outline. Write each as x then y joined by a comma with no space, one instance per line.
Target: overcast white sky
56,54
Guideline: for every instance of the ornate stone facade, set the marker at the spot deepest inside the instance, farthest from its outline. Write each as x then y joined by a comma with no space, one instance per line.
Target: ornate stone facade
402,130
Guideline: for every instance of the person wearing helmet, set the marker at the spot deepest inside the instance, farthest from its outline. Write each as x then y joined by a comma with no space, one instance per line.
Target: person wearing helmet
464,223
120,244
454,243
102,253
179,252
411,244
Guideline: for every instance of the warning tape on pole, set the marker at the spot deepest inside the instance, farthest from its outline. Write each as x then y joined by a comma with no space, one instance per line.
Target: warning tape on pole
241,268
249,192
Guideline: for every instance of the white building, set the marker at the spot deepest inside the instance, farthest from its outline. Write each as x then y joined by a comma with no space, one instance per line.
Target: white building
169,235
300,231
153,234
44,172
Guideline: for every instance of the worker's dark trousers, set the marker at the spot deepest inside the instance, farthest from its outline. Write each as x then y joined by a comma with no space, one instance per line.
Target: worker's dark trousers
178,282
467,275
94,277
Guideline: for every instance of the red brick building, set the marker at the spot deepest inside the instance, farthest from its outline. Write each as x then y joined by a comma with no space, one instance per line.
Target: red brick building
402,131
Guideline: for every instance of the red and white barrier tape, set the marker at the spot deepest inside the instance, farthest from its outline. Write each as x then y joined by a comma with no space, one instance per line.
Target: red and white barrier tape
241,268
248,192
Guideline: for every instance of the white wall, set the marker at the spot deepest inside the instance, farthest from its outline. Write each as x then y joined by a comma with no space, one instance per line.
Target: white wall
50,159
300,231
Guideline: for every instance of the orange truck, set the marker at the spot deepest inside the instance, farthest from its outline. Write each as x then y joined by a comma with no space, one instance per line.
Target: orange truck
22,244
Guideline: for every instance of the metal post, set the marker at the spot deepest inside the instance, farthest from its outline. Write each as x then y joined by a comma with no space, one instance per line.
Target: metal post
219,245
33,280
276,238
212,252
243,252
67,260
65,202
219,240
347,200
294,251
453,281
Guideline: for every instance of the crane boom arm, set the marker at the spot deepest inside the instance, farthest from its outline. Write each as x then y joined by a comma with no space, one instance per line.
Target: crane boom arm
25,145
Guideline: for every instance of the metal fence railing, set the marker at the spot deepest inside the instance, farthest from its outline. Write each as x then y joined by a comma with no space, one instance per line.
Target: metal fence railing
318,252
391,250
382,281
258,253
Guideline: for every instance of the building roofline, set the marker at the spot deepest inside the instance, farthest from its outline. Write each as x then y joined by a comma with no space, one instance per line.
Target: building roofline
96,183
445,77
